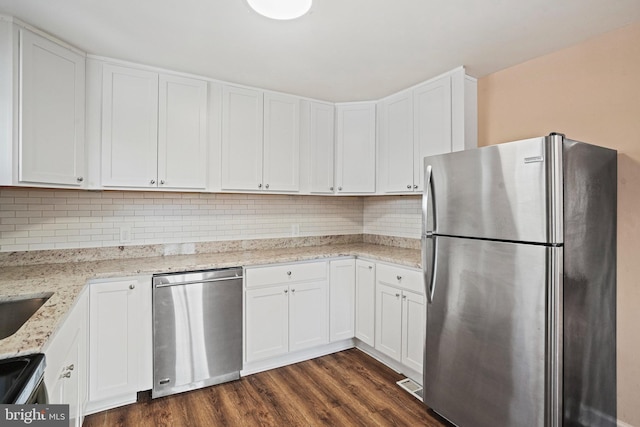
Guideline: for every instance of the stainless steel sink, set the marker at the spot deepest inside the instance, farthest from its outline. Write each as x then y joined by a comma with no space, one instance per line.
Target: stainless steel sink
15,312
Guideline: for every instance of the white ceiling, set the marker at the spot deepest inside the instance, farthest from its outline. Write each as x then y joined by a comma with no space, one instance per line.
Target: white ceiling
343,50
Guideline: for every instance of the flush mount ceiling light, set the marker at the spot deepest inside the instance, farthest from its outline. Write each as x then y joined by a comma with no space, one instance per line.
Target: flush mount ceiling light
281,9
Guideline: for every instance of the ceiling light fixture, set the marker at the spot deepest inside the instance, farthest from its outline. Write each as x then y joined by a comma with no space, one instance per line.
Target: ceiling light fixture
281,9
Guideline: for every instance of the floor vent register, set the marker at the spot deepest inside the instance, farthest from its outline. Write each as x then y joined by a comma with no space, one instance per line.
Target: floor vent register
412,387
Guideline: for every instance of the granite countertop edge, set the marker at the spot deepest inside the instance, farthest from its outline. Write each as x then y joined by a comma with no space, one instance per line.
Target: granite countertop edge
66,281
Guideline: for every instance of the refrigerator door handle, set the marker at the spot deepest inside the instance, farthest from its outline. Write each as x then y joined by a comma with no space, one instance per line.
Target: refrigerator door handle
429,278
429,193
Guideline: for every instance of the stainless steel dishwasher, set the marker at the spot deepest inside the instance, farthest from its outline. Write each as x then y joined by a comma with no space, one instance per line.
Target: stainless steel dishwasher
197,329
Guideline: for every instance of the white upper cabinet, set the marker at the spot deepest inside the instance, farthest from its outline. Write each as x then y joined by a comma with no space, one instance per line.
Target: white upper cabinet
317,147
42,97
182,132
129,127
154,129
260,141
356,147
242,119
432,118
395,143
435,117
281,143
51,112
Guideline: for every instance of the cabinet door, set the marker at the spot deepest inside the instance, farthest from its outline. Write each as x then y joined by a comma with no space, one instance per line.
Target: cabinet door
242,121
356,148
342,299
389,321
267,322
365,303
71,384
66,389
51,134
66,357
182,133
308,323
114,339
129,127
432,122
321,140
281,143
395,146
413,330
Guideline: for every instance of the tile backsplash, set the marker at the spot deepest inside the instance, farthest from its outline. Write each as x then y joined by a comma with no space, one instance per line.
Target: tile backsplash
393,216
34,219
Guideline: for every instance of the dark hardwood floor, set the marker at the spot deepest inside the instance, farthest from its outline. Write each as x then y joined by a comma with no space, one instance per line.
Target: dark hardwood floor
347,388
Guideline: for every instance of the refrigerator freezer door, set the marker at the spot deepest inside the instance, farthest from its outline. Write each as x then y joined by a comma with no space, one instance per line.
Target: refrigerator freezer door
486,333
508,192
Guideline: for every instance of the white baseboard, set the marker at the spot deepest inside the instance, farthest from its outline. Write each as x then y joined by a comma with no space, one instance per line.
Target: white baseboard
391,363
298,356
114,402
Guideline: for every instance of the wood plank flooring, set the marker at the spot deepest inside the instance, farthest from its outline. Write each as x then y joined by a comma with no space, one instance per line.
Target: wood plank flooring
347,388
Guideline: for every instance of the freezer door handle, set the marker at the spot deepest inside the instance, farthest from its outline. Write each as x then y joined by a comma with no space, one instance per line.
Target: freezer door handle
428,194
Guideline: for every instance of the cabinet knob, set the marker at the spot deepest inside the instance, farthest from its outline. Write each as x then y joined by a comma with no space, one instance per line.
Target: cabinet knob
409,186
70,367
331,188
153,181
259,185
397,295
162,182
293,290
415,186
79,179
371,267
132,286
286,291
404,297
66,375
266,186
339,188
399,278
288,273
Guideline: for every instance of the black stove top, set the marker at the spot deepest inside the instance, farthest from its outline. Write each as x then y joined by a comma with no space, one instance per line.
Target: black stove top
19,377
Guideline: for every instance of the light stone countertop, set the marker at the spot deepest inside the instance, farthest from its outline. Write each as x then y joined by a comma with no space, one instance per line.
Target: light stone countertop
67,280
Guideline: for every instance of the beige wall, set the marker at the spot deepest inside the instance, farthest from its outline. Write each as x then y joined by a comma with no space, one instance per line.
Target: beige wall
590,92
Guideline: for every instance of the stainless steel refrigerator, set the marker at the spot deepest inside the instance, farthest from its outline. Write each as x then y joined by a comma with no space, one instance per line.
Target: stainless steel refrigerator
519,257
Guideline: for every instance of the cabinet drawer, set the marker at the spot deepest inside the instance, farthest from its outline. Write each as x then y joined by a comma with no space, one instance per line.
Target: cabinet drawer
400,277
289,273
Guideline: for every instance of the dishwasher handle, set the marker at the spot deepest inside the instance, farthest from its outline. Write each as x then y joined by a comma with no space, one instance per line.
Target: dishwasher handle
194,282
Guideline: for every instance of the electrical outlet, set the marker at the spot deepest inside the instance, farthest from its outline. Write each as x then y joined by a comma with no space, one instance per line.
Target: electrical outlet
295,230
126,234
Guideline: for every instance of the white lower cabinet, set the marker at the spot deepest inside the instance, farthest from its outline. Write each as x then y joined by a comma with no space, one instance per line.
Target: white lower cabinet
120,352
413,330
267,322
389,321
285,309
307,315
66,357
342,299
365,302
400,315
